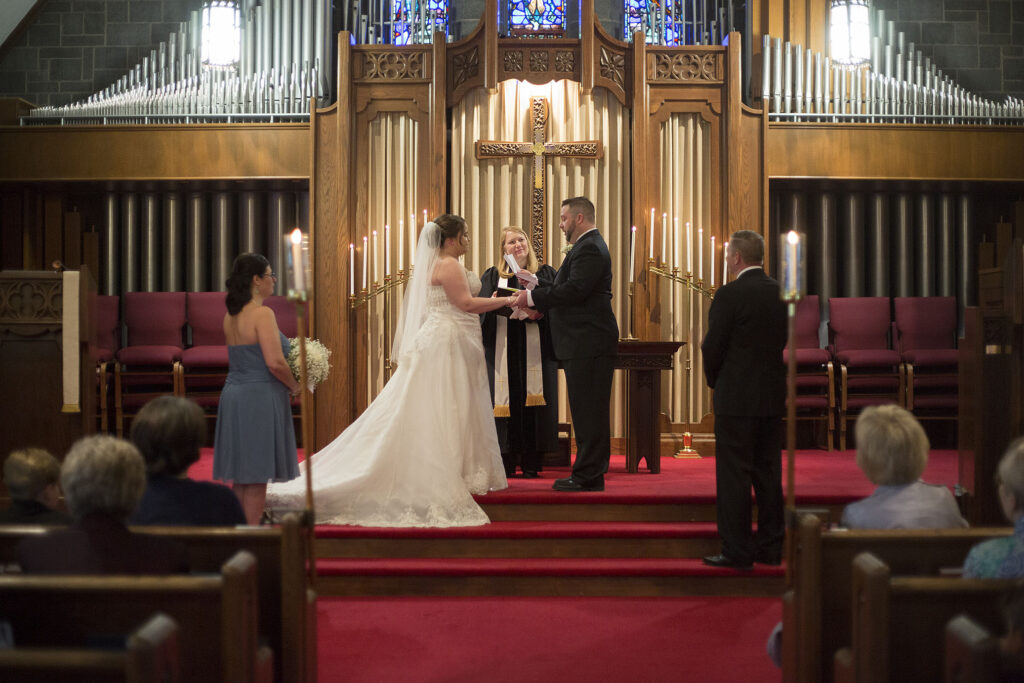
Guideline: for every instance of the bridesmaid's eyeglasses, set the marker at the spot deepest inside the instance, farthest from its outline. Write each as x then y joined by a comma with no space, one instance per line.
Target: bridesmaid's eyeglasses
270,274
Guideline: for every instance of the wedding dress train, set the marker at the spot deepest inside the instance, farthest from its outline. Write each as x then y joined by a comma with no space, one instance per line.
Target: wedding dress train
423,446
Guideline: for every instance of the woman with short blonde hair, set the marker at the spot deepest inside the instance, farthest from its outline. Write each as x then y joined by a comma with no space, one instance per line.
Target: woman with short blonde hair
521,361
892,451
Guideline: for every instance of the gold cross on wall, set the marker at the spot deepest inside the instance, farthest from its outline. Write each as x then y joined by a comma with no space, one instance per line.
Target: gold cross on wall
538,149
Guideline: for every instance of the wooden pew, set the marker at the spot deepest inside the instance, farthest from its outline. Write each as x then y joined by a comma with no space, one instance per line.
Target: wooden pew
151,653
972,653
216,615
287,603
816,621
898,622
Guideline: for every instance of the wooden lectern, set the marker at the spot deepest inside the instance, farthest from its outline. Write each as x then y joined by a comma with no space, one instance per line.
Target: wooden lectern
643,362
991,384
35,404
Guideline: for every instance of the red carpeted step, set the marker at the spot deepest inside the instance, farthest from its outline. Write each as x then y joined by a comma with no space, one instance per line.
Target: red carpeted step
521,530
572,567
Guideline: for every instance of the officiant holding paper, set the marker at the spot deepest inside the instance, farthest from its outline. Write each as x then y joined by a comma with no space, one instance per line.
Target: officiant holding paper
520,361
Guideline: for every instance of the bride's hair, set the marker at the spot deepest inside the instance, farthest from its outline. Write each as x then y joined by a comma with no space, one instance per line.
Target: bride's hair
239,283
451,227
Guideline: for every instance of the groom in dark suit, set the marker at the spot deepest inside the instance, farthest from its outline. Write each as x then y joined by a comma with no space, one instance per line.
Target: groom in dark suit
743,364
586,338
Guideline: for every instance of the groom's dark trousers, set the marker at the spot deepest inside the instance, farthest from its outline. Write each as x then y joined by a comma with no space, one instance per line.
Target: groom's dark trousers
585,337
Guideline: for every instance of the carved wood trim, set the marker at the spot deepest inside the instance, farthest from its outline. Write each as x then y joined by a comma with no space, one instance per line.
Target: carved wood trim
539,61
31,299
466,63
687,65
613,65
391,64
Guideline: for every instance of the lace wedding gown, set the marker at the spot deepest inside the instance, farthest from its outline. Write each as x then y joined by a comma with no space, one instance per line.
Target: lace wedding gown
423,446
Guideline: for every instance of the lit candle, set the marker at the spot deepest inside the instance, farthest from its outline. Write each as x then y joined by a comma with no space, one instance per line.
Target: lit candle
351,269
712,260
650,235
792,260
632,251
664,238
689,249
366,256
298,272
387,250
424,216
400,238
725,262
700,253
374,259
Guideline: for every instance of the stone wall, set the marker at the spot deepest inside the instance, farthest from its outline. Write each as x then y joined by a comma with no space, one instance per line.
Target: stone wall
979,43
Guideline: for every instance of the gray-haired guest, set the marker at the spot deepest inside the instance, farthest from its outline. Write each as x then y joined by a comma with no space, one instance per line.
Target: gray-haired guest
892,451
169,431
103,478
1003,558
31,476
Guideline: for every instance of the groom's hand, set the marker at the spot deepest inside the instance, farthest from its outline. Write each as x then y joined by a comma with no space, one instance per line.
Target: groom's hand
519,299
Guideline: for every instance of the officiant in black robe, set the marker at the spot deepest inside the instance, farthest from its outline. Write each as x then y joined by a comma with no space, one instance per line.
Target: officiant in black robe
526,401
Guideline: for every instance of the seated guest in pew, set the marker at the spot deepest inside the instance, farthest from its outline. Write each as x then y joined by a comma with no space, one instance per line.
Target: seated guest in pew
1003,558
892,451
169,431
31,478
103,478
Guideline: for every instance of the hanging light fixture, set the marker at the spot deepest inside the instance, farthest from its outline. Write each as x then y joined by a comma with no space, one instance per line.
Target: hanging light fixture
222,34
850,31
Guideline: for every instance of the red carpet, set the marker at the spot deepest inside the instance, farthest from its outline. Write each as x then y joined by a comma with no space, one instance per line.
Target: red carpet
821,477
718,640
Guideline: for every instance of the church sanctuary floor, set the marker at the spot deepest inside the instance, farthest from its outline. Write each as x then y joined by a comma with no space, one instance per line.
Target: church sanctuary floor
644,535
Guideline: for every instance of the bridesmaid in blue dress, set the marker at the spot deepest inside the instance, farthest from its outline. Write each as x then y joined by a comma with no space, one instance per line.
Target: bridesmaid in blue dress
255,438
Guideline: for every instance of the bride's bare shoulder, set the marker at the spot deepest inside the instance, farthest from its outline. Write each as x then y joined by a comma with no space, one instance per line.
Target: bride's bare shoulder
446,267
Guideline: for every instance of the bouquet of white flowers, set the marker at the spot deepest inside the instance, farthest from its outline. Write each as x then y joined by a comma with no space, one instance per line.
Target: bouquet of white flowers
318,364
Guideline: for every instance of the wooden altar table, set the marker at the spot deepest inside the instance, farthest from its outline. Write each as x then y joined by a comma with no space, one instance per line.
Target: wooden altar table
643,362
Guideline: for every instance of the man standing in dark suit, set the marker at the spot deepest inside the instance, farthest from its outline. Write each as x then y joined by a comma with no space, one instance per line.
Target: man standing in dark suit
743,364
586,339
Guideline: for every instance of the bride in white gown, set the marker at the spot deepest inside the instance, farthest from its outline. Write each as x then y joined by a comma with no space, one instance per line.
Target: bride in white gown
427,443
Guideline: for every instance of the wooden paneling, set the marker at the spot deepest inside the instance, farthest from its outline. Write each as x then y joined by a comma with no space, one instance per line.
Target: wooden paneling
221,151
809,150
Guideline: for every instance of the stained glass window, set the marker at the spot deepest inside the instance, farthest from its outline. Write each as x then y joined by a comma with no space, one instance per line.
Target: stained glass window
662,21
537,15
416,20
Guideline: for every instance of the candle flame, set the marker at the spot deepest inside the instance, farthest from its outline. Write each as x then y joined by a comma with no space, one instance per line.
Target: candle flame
296,236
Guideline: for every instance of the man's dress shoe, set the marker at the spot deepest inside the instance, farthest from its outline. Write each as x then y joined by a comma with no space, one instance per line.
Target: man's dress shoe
571,484
728,562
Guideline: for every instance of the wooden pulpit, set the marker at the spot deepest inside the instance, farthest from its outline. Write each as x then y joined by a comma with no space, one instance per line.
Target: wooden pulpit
991,384
47,377
643,362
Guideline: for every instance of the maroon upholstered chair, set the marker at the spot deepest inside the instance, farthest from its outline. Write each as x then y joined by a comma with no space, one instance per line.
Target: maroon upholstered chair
204,365
926,340
871,372
108,341
815,376
284,311
150,363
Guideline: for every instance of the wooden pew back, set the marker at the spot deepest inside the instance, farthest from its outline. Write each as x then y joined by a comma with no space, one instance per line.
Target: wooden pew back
818,623
972,653
287,603
151,653
216,614
898,622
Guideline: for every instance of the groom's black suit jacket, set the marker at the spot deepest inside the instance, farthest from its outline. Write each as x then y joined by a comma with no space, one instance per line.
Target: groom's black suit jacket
579,303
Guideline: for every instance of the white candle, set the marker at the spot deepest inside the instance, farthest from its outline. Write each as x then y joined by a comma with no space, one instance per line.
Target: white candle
298,272
366,257
632,251
374,259
792,260
351,269
725,262
412,242
400,238
700,253
650,235
387,250
689,249
424,216
664,238
712,260
675,241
